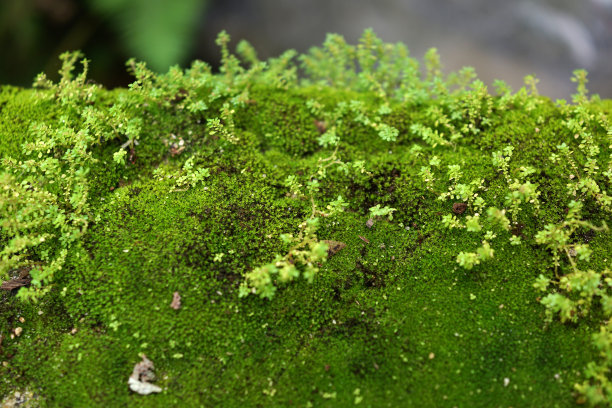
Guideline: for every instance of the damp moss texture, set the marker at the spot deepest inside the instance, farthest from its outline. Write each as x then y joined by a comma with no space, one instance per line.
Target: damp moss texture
344,228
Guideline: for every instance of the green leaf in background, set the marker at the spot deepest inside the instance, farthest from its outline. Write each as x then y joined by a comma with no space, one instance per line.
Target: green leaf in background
159,32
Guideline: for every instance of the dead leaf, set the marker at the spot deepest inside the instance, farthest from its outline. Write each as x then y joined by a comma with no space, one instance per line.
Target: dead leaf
142,374
321,126
176,301
15,283
16,398
370,223
364,239
459,208
176,151
334,247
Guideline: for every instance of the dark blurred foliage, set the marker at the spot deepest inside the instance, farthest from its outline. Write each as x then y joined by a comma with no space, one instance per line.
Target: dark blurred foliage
501,39
34,32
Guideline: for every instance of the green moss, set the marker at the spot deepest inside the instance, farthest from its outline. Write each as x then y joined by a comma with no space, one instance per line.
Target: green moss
19,109
389,320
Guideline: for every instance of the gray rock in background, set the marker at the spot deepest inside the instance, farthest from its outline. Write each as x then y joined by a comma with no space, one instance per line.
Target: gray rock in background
500,39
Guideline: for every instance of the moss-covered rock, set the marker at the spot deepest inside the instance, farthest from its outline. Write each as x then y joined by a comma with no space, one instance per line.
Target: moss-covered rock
190,181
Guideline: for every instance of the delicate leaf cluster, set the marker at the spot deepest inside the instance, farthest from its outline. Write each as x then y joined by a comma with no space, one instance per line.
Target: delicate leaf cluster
302,259
377,211
469,259
44,204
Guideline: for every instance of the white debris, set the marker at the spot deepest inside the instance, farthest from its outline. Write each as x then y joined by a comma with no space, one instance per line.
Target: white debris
142,388
176,301
506,381
142,374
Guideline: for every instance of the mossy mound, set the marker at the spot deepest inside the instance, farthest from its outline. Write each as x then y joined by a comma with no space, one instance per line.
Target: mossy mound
188,182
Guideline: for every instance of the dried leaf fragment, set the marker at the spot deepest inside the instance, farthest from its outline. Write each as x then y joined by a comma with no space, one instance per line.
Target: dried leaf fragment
25,398
141,375
369,223
321,126
176,301
18,281
15,283
459,208
364,239
334,247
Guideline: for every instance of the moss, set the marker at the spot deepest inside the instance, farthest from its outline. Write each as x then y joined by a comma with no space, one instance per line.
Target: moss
19,107
390,320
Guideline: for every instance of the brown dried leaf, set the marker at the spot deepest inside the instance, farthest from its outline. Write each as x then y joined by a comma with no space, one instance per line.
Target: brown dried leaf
15,283
321,126
334,247
364,239
176,301
370,223
25,272
459,208
176,151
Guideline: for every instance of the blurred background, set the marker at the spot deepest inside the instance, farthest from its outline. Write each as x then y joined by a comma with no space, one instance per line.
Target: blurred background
501,39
